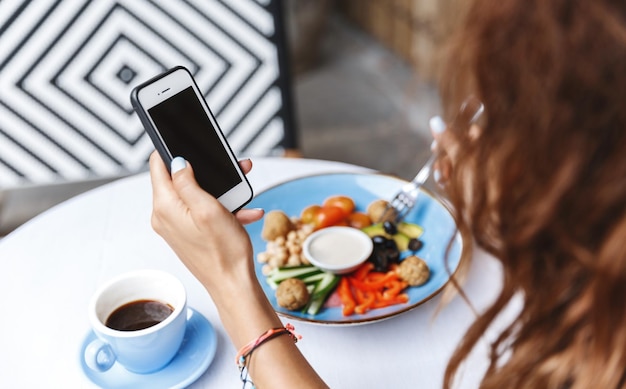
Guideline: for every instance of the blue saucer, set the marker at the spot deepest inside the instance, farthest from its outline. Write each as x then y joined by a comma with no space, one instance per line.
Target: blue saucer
192,360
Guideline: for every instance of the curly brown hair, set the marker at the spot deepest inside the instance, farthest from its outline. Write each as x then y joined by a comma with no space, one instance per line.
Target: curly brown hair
543,188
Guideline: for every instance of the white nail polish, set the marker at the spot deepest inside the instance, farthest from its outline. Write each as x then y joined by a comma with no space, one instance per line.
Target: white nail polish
437,175
433,146
437,124
178,164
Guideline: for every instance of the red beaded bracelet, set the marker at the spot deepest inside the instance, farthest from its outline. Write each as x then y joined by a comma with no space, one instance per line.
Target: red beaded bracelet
245,352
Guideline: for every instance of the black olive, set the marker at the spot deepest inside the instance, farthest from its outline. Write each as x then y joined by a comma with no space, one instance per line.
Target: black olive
391,244
390,227
415,244
393,255
381,263
379,240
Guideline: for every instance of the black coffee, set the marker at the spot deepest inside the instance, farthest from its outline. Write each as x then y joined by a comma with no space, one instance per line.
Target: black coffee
138,315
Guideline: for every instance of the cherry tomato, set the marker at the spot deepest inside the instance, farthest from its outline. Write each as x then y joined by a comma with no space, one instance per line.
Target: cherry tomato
328,216
308,214
359,220
342,223
345,203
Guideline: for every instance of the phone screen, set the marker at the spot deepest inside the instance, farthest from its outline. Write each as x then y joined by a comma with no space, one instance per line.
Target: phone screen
188,132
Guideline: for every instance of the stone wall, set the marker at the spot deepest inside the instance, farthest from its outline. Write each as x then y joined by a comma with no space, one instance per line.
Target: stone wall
413,29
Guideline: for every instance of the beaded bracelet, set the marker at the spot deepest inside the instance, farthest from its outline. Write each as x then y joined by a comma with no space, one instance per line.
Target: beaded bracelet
246,351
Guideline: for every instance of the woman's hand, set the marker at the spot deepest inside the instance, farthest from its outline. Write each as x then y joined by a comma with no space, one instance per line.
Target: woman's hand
446,143
207,238
446,146
214,246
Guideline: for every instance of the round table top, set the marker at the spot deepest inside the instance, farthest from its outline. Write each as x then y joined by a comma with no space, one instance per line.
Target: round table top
50,267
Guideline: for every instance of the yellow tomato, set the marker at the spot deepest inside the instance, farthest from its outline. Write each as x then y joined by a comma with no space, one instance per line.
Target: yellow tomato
309,213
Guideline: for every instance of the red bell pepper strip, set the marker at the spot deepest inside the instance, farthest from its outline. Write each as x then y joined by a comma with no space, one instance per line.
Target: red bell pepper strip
345,294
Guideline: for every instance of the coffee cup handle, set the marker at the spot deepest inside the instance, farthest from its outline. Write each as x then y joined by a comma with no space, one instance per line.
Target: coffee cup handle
99,356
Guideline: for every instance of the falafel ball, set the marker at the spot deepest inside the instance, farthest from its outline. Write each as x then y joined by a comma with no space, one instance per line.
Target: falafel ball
276,224
292,294
414,270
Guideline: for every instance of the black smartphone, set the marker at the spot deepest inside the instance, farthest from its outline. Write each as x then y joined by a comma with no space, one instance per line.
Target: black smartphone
177,118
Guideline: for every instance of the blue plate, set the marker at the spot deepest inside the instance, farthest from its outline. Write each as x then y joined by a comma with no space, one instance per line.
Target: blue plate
439,227
193,358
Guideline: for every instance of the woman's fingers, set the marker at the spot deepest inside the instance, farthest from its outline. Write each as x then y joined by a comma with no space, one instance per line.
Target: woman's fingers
182,186
163,193
445,141
245,165
441,146
247,216
159,176
195,198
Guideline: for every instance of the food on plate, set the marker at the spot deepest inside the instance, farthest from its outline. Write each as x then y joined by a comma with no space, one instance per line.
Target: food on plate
368,289
380,281
286,250
292,294
415,244
320,284
411,230
285,235
404,232
276,224
308,214
359,220
328,216
377,211
390,227
413,270
338,249
384,254
345,203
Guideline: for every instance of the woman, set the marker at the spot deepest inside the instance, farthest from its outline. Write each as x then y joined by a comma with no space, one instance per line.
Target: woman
541,185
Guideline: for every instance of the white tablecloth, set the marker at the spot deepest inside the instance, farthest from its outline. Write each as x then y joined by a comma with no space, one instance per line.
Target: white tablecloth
50,267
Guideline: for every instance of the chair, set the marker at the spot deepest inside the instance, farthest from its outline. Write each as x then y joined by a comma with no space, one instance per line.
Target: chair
67,69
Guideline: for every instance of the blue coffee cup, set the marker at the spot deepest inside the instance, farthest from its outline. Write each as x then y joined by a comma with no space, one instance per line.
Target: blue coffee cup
143,350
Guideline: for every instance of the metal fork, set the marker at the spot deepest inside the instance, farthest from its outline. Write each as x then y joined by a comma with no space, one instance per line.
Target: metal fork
404,201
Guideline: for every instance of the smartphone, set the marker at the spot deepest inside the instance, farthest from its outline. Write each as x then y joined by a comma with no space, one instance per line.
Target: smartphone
179,122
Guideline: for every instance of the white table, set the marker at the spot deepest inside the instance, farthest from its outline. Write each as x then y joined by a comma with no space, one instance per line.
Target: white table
50,267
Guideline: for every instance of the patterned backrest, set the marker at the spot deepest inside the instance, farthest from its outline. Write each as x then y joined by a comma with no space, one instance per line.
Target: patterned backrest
67,69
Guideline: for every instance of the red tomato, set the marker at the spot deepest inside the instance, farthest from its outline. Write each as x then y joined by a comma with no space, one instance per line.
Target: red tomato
328,216
359,220
342,223
345,203
308,214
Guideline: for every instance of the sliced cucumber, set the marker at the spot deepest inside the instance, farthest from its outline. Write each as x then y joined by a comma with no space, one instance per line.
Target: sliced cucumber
271,283
319,283
322,290
313,279
282,273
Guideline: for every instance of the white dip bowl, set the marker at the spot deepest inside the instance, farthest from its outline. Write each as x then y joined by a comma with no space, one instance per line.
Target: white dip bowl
338,250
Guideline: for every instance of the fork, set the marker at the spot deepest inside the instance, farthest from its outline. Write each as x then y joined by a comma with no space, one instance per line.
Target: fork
404,200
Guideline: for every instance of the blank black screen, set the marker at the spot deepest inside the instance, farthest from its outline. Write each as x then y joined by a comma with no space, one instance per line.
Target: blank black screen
188,133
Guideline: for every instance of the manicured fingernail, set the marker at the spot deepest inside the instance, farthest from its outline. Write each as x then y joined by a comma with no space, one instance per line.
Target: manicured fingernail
178,164
433,146
437,175
437,124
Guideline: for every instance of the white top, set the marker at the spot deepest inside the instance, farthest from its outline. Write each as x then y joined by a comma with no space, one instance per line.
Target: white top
50,267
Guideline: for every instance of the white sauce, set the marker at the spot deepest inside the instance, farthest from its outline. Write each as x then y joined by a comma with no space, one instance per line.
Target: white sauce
341,247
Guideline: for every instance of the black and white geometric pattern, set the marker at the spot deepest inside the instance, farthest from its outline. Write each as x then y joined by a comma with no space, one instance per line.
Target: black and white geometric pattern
67,68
